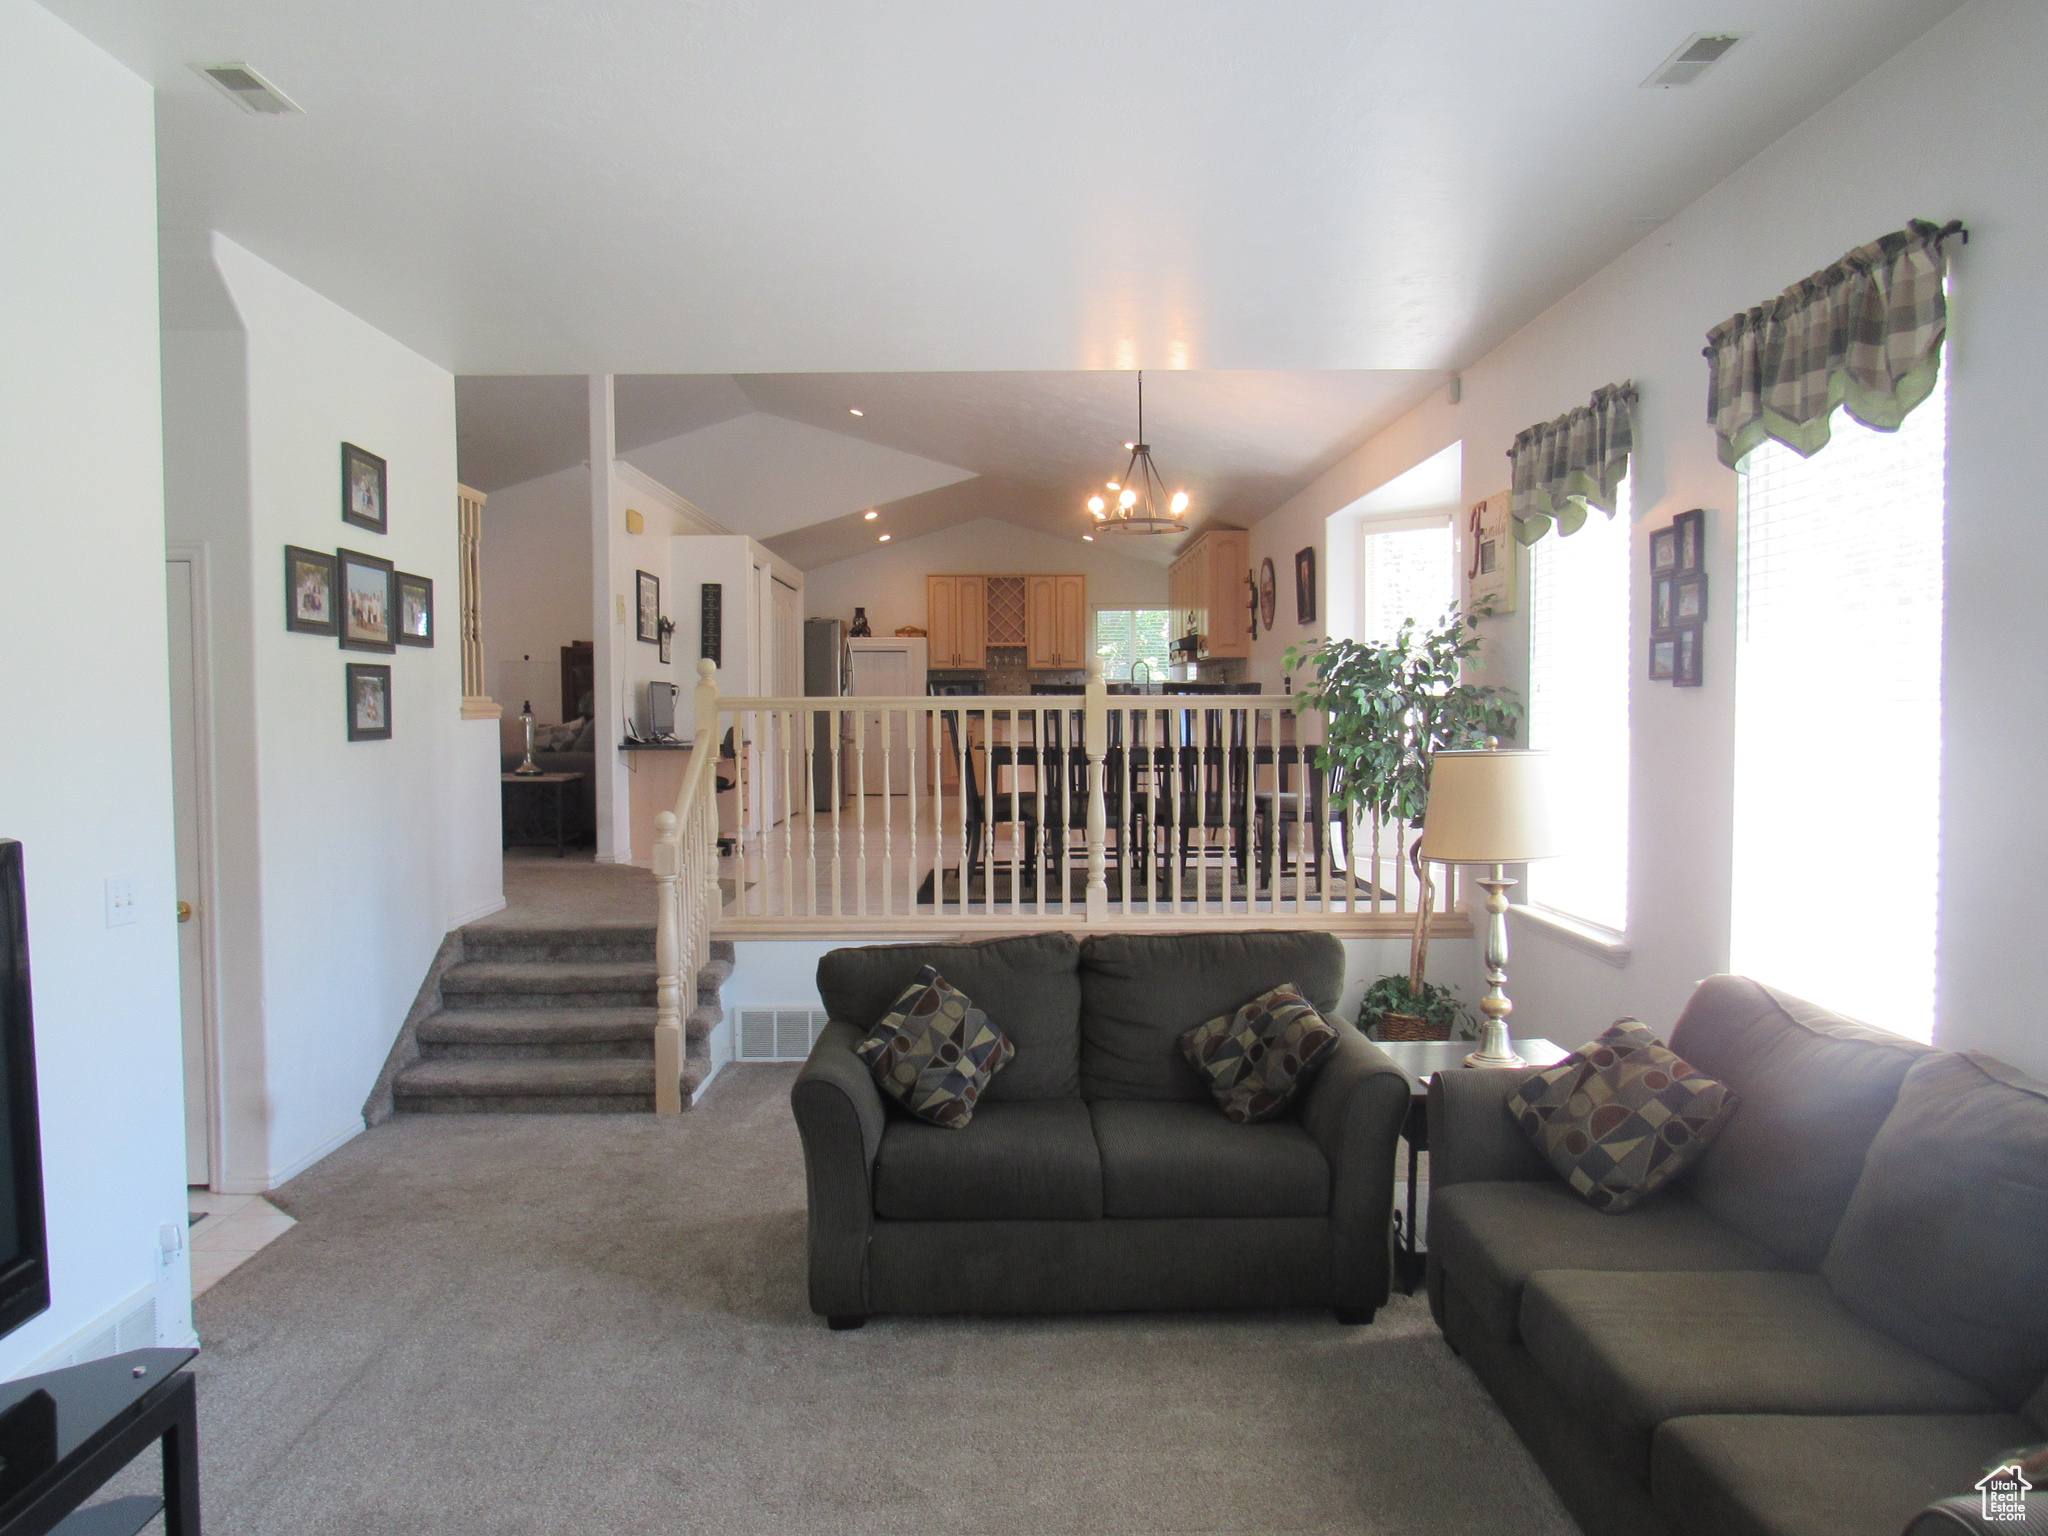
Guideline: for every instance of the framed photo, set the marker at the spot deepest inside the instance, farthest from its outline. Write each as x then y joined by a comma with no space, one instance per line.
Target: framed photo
1689,605
369,702
1660,604
369,602
650,607
1490,554
1664,551
1269,593
1686,672
1690,528
1663,659
362,489
415,609
309,605
1305,585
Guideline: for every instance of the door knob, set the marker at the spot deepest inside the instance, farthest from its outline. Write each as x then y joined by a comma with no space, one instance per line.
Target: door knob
184,911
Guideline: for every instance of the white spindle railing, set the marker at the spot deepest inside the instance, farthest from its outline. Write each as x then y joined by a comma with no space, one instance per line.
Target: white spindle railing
904,816
687,897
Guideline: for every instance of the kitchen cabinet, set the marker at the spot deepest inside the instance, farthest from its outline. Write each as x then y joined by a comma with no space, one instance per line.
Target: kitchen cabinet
1205,588
956,615
1055,622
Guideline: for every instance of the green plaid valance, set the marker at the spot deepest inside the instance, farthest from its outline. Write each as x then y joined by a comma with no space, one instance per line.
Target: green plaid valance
1865,333
1564,466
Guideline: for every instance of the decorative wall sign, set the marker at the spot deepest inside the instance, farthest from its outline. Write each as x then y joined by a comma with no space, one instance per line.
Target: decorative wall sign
369,601
1490,554
309,602
369,702
649,607
415,609
711,632
1305,585
362,489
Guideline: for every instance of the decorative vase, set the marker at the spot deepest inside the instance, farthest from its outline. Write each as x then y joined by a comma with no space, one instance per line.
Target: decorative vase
860,628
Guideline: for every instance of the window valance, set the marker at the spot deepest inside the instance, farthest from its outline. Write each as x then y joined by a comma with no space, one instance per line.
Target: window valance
1865,333
1564,466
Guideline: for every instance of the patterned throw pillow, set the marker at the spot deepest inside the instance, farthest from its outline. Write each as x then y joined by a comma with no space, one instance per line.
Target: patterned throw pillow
1254,1059
1621,1116
934,1052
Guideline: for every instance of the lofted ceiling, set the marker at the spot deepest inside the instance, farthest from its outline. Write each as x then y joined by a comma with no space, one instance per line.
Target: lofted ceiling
710,187
782,457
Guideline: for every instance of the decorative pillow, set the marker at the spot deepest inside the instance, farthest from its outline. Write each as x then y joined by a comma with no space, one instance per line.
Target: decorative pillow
1621,1116
934,1051
1255,1059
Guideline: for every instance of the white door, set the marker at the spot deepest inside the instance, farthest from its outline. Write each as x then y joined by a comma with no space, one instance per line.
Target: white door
194,984
885,674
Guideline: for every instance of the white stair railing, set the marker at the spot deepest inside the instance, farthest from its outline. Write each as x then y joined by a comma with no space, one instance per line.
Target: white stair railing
687,898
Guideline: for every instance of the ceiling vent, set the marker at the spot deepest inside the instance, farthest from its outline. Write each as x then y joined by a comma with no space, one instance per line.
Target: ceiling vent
247,89
1693,58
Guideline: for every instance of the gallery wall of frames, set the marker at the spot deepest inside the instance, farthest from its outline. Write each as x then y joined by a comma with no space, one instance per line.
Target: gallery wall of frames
360,600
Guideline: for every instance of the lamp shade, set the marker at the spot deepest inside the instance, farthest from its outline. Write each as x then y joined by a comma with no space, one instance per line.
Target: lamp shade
1489,807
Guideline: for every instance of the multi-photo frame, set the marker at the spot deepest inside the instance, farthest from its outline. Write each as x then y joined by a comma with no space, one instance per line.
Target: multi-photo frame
1678,600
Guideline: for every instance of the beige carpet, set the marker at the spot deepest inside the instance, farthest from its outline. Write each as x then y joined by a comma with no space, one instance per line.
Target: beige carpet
565,1324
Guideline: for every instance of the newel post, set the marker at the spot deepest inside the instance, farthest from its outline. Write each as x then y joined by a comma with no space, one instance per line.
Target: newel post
668,964
707,700
1096,730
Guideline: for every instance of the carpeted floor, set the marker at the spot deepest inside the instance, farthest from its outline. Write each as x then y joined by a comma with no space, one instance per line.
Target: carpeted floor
563,1324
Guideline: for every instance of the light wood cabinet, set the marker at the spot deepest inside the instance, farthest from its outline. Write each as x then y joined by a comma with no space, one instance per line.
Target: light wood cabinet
956,615
1055,621
1205,587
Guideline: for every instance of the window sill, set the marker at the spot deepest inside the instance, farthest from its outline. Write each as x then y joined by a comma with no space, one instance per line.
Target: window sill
1601,943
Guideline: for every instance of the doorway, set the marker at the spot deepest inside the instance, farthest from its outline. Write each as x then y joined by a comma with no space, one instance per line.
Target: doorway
191,802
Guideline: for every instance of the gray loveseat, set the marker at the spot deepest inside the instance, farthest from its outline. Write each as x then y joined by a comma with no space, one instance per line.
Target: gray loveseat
1830,1320
1098,1173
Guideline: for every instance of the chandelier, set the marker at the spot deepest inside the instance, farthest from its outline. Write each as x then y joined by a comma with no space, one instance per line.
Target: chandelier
1141,504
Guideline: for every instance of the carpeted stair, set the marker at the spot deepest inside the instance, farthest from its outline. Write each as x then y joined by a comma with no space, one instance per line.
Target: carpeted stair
553,1019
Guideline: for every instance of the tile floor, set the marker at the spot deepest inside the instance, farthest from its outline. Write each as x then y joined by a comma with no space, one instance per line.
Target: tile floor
232,1229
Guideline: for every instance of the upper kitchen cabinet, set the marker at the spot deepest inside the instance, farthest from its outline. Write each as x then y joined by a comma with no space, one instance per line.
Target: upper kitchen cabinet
1055,622
1206,589
956,614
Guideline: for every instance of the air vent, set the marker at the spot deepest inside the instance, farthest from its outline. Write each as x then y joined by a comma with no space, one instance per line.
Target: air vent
247,89
1693,58
779,1034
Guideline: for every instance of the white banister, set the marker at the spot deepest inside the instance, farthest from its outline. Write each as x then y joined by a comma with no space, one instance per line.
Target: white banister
686,895
1096,727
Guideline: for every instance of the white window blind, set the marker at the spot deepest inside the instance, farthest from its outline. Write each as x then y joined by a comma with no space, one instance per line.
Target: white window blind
1127,635
1838,719
1579,667
1405,573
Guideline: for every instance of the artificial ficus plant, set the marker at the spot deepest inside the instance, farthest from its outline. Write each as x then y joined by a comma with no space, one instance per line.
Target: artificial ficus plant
1389,708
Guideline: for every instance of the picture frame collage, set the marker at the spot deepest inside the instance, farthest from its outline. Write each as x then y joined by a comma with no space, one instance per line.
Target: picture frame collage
1678,600
362,601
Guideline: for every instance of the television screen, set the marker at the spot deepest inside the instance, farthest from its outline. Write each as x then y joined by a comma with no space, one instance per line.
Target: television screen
24,1258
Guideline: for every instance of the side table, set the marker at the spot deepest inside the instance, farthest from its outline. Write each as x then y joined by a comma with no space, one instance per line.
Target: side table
63,1434
1422,1060
560,783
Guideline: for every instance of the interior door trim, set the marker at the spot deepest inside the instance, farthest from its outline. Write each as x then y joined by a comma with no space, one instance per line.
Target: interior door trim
194,553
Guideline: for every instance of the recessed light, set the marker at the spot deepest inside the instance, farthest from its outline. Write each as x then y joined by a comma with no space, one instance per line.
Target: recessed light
883,539
870,516
1087,538
854,410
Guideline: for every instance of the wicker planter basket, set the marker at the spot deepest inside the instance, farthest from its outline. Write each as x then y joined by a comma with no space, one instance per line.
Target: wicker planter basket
1406,1026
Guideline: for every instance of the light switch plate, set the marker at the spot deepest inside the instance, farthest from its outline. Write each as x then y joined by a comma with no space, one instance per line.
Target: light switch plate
120,900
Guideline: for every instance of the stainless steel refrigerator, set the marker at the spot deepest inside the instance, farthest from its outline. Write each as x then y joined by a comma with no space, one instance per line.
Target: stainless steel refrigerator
827,675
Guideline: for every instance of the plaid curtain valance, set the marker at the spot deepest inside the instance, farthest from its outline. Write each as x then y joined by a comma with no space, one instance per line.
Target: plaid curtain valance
1564,466
1865,333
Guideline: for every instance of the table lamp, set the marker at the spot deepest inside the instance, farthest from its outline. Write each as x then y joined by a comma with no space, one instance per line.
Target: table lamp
1491,808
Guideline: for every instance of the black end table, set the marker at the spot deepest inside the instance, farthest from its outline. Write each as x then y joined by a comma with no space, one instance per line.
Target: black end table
63,1434
1422,1060
530,830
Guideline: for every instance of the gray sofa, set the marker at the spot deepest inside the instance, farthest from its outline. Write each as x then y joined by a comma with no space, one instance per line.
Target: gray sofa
1098,1174
1830,1320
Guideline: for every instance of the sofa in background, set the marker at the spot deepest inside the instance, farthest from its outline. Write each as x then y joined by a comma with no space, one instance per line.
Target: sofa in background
1098,1174
1834,1317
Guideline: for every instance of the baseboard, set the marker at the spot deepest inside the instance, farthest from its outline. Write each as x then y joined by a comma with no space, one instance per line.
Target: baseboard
479,914
299,1165
129,1324
698,1096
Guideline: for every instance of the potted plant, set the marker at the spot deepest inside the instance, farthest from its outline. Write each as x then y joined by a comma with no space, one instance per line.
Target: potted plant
1388,709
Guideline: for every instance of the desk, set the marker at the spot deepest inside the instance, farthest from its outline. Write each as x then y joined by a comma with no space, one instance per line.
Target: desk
524,833
1421,1060
63,1434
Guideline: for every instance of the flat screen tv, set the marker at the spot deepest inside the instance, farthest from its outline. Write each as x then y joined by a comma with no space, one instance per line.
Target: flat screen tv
24,1254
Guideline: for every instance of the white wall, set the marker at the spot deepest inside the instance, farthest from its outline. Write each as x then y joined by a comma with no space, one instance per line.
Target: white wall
82,622
890,582
343,864
536,598
1952,127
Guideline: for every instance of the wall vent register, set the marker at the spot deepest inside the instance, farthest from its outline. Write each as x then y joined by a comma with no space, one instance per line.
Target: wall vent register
779,1034
1693,58
247,89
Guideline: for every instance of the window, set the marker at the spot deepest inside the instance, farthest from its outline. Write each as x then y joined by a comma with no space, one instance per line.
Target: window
1404,573
1838,719
1127,635
1579,671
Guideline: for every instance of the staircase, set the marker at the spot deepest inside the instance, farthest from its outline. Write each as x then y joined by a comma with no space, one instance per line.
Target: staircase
553,1020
